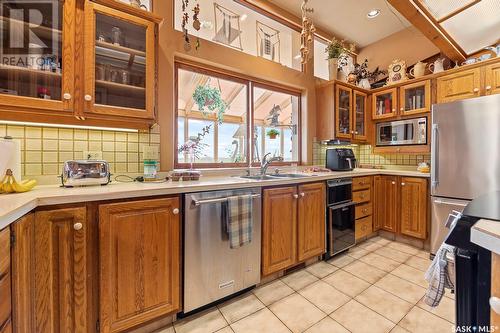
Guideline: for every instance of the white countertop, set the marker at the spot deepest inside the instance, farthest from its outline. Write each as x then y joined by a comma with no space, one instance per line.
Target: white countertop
486,233
14,206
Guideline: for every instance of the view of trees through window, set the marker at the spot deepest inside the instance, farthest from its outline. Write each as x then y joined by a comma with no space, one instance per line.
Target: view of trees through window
215,114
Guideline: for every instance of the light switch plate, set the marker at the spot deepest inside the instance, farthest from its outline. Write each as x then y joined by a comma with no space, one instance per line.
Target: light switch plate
92,155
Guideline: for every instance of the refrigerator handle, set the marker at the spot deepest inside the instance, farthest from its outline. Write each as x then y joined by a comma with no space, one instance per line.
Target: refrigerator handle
435,154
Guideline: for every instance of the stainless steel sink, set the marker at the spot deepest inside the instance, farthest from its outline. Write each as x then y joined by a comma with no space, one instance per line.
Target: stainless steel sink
259,177
288,175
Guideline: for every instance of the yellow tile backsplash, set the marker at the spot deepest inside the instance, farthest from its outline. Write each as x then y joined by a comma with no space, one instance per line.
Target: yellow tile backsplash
364,155
44,149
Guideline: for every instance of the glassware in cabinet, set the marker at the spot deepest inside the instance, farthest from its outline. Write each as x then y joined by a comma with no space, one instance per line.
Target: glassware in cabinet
415,98
384,104
343,112
359,115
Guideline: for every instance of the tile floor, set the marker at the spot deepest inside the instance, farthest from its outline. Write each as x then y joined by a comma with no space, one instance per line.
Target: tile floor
377,286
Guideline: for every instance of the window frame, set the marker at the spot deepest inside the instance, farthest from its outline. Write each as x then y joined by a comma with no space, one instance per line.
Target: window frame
250,83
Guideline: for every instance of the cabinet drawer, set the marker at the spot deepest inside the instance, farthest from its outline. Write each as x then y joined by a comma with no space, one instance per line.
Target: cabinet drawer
4,251
5,304
361,183
361,196
363,227
363,210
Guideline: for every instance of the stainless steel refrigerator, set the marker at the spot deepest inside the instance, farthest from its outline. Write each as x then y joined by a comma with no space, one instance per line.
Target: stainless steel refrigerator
465,157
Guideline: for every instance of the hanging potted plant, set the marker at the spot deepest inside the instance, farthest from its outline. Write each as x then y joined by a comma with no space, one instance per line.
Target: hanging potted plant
273,133
335,49
210,98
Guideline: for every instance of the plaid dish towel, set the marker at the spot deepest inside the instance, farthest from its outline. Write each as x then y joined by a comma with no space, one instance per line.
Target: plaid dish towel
439,276
239,222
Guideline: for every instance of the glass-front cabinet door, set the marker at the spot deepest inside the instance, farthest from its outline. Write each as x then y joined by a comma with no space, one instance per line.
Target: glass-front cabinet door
359,113
343,106
37,54
384,104
120,74
415,98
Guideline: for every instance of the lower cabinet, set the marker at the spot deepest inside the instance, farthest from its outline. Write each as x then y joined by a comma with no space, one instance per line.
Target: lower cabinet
401,205
139,245
5,283
362,189
293,225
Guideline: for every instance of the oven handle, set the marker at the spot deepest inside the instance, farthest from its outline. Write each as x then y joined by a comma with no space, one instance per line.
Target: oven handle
335,184
347,204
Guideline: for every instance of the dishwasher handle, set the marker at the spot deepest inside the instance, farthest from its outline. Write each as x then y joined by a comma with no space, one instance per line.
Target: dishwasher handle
216,200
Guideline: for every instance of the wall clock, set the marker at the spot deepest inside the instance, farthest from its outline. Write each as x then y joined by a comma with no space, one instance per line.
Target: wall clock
397,72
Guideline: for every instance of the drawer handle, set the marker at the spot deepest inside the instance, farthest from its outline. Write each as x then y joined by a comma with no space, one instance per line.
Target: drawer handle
295,196
365,210
403,184
393,183
78,226
476,90
175,211
488,88
302,194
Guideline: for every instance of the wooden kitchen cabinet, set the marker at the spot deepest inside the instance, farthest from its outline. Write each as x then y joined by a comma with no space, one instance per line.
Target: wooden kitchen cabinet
5,283
384,103
139,244
279,229
343,112
362,188
495,287
414,201
311,220
293,225
457,86
492,73
415,98
386,203
359,113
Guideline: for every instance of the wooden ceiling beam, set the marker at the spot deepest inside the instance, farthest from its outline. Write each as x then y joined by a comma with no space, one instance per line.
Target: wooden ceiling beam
419,17
234,93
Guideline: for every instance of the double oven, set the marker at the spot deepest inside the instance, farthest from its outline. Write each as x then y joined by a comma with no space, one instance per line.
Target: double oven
340,216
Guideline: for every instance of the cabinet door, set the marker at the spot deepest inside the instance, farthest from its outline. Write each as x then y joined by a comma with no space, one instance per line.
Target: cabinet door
415,98
5,280
38,74
493,79
359,113
343,112
139,262
414,198
385,203
457,86
311,220
60,271
120,63
384,104
279,229
495,287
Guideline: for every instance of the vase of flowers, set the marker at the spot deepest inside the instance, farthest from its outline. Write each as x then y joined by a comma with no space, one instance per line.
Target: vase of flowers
272,134
335,49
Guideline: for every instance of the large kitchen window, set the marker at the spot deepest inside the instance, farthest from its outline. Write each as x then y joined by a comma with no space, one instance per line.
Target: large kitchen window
215,114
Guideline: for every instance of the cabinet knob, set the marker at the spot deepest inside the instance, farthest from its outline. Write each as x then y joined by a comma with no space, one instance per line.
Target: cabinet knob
352,132
302,194
403,184
175,211
393,183
488,88
495,304
476,90
356,133
401,109
88,98
365,210
393,110
296,196
67,96
78,226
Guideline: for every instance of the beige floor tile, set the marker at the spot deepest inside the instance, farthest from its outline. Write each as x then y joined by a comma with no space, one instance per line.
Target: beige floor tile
370,246
421,321
418,263
449,294
341,260
261,321
240,307
324,296
393,254
205,322
398,329
357,318
225,330
445,309
364,271
169,329
380,262
346,283
406,290
411,274
384,303
297,313
327,325
299,280
272,292
321,269
380,240
423,254
357,252
404,248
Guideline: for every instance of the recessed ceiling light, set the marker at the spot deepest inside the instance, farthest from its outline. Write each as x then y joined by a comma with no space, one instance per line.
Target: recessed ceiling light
243,17
373,13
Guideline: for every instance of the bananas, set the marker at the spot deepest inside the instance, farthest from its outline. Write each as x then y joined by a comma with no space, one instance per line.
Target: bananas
10,185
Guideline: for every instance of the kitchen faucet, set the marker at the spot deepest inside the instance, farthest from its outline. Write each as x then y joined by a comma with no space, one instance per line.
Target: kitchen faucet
264,164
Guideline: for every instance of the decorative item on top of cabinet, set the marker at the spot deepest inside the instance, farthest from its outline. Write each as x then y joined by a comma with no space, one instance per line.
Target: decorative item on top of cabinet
361,186
461,85
492,79
384,103
139,244
5,282
397,72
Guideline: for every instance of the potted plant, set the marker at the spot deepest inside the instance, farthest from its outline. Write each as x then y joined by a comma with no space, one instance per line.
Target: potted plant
273,133
207,97
335,49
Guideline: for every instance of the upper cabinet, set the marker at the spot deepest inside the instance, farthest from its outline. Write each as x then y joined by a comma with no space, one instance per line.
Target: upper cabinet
492,79
457,86
415,98
93,65
343,112
359,113
120,67
384,103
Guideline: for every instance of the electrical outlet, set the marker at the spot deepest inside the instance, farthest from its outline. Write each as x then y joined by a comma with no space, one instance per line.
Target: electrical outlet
92,155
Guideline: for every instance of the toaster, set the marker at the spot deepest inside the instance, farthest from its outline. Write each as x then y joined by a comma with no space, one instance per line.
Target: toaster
85,173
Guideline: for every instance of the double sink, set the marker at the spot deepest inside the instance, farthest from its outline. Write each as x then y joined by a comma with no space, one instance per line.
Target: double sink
275,176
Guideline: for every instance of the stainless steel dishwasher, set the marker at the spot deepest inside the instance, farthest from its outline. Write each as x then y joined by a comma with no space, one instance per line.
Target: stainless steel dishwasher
212,270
